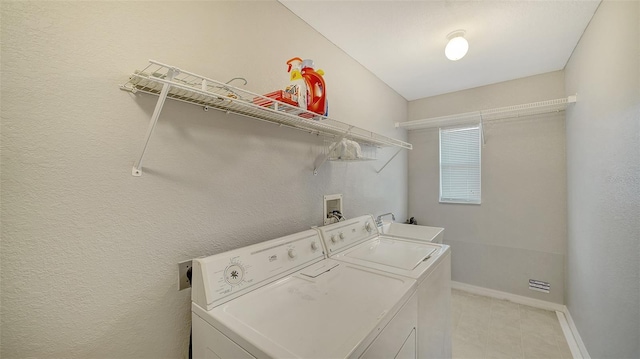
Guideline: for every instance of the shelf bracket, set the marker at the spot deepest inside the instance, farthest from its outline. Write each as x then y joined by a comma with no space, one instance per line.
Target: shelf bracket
484,142
321,160
389,160
137,167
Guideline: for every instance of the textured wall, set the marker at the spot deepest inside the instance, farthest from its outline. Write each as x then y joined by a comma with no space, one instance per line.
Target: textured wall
603,156
519,231
89,253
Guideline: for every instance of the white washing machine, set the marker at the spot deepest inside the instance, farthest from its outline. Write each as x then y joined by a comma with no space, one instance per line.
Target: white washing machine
414,232
283,299
357,241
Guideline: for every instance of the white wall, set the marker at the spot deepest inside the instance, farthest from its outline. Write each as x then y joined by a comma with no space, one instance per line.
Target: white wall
89,253
519,231
603,156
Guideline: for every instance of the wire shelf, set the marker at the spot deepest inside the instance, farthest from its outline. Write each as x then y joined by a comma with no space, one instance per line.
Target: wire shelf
534,108
211,94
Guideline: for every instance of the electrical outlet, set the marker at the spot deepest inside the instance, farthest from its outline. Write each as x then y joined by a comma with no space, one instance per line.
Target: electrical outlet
183,280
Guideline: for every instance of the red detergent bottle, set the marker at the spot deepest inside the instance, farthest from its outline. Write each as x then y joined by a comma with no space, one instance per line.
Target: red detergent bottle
316,90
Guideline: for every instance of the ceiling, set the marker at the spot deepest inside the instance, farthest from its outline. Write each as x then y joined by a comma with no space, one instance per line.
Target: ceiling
402,42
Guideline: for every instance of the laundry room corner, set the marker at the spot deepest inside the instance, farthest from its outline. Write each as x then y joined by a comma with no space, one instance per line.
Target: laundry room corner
518,232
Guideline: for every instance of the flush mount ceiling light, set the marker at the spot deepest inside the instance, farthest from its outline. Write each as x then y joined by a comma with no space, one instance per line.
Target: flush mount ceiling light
457,46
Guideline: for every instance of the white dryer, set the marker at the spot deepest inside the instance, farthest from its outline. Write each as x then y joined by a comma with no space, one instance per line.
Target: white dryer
410,231
357,241
283,299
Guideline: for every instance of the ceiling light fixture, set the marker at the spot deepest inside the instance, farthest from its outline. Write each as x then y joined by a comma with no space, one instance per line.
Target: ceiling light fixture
457,46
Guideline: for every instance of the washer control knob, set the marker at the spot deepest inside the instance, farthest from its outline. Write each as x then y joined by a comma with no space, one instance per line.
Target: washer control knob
314,246
292,253
234,274
341,235
334,239
367,226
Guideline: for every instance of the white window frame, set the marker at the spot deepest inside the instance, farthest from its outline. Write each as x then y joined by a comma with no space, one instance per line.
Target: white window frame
469,198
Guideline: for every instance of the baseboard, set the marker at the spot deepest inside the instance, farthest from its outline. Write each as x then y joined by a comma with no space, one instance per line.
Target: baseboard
571,341
576,345
532,302
575,336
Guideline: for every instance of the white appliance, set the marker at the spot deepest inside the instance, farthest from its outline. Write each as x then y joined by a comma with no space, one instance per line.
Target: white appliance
357,241
283,299
410,231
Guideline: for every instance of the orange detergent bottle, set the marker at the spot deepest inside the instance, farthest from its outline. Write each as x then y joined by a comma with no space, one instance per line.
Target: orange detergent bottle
316,90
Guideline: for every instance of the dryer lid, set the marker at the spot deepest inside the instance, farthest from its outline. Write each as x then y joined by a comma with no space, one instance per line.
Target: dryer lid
394,253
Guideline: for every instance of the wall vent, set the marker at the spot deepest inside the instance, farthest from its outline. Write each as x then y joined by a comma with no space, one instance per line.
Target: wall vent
539,285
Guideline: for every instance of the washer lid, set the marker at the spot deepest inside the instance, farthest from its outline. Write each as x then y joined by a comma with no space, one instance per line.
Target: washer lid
394,253
333,315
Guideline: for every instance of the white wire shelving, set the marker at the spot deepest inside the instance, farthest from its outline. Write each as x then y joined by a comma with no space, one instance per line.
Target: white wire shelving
171,82
517,111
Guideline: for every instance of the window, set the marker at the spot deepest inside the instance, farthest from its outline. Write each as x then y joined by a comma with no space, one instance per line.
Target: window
460,150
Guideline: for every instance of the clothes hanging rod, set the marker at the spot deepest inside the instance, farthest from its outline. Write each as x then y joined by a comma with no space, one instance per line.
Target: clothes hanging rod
534,108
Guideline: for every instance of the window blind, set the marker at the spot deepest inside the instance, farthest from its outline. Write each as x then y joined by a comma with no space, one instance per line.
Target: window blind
460,150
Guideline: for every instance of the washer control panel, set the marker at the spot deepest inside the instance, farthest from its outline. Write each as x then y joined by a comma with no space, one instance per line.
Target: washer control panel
224,276
342,235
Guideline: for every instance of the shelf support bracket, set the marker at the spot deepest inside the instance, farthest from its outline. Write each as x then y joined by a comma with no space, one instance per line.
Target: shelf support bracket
137,167
484,142
389,160
321,160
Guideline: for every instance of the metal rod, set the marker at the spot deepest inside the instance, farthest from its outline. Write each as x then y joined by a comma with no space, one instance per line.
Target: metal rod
490,114
390,159
482,130
137,167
